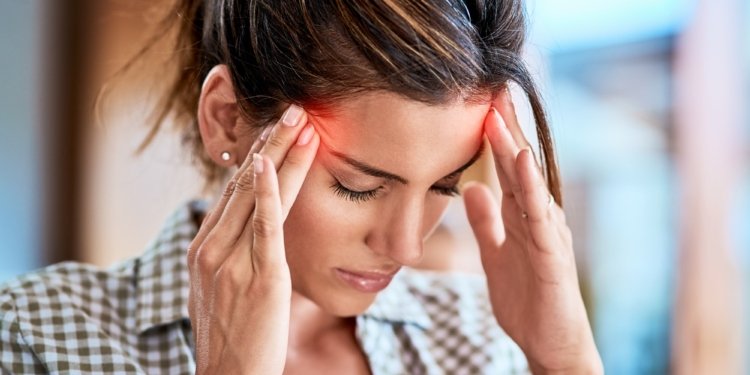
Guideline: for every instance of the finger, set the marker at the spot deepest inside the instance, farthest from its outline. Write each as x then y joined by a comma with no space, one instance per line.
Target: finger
212,216
212,258
267,222
240,205
542,226
560,221
284,134
233,220
293,172
513,221
504,104
504,152
196,250
483,215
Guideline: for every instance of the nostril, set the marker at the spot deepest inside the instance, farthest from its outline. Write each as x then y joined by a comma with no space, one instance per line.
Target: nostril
399,250
408,254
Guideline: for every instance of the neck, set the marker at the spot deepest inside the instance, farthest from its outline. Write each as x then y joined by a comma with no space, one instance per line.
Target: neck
309,323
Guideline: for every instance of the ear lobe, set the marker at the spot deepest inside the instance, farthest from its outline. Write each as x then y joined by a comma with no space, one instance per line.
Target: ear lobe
218,115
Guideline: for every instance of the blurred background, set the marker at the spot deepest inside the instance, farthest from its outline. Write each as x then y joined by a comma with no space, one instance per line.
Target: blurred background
648,101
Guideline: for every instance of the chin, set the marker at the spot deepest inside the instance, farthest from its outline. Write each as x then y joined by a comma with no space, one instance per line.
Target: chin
338,301
346,310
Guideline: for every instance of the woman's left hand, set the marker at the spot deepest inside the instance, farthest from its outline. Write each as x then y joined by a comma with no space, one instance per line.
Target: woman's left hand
527,254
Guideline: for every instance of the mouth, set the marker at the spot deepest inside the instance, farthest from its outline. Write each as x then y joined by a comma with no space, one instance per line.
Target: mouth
364,281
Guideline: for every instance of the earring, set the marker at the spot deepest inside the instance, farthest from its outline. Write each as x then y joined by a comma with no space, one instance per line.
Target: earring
225,155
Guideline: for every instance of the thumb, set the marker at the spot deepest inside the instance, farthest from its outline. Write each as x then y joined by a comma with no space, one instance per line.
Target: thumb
484,216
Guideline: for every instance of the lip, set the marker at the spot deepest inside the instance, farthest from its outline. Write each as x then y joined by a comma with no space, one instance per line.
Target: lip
366,282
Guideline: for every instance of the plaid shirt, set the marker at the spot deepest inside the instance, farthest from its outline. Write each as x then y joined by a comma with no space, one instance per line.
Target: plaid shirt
133,318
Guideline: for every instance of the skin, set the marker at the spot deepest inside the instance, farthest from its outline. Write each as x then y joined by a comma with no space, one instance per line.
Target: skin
262,265
386,232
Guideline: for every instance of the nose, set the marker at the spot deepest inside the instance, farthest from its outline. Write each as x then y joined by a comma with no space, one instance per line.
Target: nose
398,234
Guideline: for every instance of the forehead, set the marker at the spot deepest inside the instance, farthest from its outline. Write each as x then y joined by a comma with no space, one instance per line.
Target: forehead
403,136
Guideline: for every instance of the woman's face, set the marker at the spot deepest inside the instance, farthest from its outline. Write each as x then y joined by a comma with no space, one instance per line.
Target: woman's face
379,185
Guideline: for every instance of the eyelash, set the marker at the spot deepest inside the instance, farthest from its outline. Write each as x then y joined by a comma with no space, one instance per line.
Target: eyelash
363,196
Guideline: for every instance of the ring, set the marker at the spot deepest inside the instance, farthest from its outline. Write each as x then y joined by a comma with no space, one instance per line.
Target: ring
550,201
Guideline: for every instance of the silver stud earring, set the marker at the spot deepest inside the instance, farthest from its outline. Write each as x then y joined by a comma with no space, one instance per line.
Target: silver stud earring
225,155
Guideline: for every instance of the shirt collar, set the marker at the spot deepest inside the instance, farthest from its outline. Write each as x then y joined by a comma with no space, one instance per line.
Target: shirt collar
161,273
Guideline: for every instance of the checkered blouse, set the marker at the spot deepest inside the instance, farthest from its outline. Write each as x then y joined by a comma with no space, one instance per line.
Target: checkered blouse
133,318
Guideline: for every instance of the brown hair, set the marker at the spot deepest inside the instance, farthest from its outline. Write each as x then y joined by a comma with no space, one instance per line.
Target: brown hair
316,52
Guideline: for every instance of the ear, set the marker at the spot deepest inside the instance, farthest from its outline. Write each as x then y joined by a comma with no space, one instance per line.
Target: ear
218,117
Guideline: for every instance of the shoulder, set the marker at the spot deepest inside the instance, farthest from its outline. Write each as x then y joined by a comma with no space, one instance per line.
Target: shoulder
115,295
67,286
45,313
80,318
67,280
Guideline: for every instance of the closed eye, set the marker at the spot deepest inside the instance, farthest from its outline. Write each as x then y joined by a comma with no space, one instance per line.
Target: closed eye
364,196
352,195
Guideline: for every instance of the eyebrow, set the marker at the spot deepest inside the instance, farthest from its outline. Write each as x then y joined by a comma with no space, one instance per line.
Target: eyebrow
376,172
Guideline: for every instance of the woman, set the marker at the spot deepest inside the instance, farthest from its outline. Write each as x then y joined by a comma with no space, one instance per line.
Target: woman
349,124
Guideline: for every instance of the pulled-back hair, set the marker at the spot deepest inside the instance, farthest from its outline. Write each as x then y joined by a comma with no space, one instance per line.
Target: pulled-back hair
314,53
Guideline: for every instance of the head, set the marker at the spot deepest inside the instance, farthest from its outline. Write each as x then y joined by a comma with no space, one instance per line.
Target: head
397,90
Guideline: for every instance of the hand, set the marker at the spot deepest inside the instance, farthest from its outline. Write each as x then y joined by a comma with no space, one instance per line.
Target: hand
240,287
527,254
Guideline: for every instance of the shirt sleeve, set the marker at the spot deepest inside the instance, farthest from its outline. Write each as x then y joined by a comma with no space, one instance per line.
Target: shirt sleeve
16,357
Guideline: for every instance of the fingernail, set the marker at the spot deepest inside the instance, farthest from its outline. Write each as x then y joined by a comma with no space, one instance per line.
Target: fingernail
531,153
497,114
467,185
306,135
266,132
257,163
292,116
500,122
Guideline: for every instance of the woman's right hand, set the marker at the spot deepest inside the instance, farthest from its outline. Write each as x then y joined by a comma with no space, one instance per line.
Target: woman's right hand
240,287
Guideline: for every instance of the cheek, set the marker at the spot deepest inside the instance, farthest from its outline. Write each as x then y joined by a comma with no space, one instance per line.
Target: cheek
322,227
323,232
